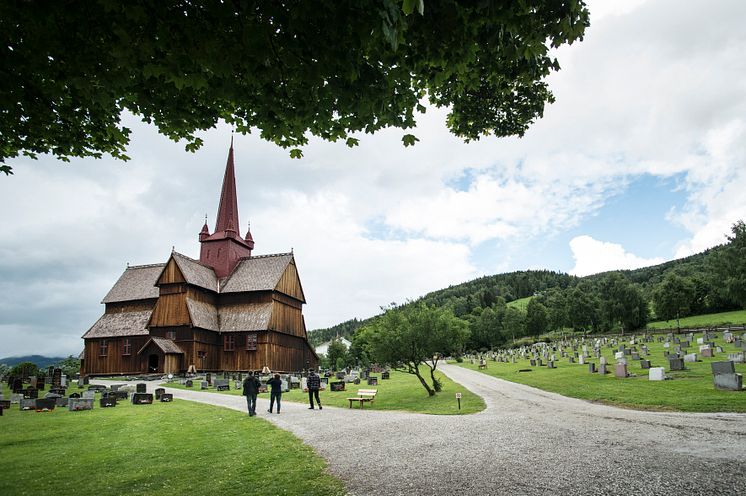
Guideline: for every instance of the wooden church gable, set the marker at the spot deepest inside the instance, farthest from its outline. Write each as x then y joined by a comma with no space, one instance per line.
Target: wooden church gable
171,273
289,283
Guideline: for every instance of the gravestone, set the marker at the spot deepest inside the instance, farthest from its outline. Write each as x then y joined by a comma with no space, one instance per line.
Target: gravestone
17,385
621,370
656,374
707,353
189,383
208,378
45,404
79,404
75,395
635,356
86,380
675,364
723,368
27,404
725,377
736,357
372,380
89,395
385,375
57,378
31,393
204,385
602,360
581,360
592,367
340,375
159,392
571,359
645,364
61,401
690,358
532,362
121,394
107,401
619,355
167,398
142,387
5,404
142,399
602,369
221,385
550,364
337,386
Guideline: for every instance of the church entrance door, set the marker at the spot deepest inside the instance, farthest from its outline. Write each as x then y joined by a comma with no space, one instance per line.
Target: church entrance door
153,363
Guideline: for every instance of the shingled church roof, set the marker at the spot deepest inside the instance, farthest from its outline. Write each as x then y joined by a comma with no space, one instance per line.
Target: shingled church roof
112,325
196,273
260,273
136,283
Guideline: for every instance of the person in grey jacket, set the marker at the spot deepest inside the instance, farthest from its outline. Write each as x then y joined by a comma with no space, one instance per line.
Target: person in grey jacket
250,389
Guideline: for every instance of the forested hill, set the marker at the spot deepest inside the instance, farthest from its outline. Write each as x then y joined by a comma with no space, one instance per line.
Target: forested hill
577,302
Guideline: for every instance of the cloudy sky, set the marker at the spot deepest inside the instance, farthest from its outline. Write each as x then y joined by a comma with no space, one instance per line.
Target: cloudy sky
641,159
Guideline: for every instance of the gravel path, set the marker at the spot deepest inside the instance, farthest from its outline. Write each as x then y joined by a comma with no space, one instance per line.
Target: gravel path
527,441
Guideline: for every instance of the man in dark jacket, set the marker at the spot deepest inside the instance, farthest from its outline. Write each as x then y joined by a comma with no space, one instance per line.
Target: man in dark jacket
313,384
250,389
275,392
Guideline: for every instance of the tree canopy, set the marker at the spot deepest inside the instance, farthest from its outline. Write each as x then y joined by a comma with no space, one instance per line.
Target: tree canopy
288,69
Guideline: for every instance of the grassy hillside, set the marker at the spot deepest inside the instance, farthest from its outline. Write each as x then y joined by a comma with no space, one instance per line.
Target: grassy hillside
520,303
736,317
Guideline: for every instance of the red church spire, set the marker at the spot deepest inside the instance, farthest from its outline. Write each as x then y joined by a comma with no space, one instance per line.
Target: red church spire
222,249
228,210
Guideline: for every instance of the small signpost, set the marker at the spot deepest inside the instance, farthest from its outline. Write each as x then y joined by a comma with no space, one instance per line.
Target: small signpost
458,398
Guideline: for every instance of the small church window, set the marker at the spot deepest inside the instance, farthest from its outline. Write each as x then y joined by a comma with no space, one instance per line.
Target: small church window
171,335
103,349
251,341
126,346
228,342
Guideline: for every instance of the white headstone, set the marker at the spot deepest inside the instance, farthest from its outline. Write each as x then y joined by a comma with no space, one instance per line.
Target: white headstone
619,355
581,359
690,358
303,383
700,340
666,344
602,360
657,374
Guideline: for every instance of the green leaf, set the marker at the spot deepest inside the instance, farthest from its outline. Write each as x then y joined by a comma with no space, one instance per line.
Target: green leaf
296,153
407,6
409,139
351,142
8,170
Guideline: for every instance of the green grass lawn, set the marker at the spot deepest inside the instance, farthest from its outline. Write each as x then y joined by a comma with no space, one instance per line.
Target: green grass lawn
713,319
402,392
165,448
691,390
520,303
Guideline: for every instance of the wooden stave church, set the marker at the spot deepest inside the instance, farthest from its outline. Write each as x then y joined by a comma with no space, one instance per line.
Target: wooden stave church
228,311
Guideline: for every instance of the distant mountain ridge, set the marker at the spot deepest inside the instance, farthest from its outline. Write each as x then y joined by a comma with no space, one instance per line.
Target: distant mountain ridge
483,291
39,360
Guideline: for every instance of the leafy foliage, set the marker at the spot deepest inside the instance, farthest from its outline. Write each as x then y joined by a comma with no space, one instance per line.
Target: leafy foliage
289,69
70,366
730,266
24,369
409,337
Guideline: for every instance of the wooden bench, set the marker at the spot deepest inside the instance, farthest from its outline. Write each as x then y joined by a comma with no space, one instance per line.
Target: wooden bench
364,395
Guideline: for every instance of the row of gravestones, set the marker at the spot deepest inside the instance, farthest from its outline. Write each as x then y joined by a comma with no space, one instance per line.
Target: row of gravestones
84,401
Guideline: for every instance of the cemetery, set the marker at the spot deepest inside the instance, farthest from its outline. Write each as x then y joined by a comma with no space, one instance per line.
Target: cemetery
690,371
394,391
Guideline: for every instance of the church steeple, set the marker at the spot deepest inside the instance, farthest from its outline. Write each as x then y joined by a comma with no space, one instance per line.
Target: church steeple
228,210
222,249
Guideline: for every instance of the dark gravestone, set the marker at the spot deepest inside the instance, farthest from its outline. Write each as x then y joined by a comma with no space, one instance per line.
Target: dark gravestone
645,364
107,401
385,375
551,365
40,385
675,364
45,404
209,379
602,369
222,385
532,362
159,392
635,356
337,386
372,380
31,393
5,404
592,368
142,387
166,398
723,368
27,404
340,375
17,386
86,380
142,399
121,395
204,385
296,385
356,380
57,378
75,396
61,401
189,383
33,381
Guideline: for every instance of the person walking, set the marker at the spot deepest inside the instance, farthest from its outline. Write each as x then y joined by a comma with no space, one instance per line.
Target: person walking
275,392
250,389
313,384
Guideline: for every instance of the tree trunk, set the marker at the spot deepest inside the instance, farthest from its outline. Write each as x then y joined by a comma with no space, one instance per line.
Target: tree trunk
416,371
436,383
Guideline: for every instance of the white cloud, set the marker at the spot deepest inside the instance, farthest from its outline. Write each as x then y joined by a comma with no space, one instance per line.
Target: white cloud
593,256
